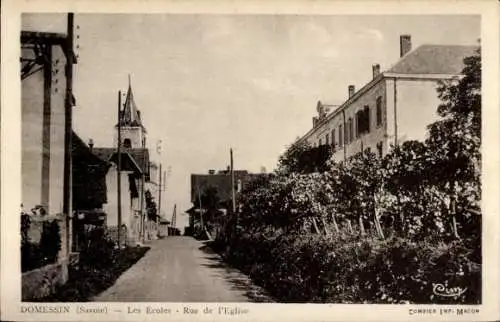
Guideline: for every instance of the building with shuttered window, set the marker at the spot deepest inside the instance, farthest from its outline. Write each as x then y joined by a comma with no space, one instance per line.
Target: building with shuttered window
395,106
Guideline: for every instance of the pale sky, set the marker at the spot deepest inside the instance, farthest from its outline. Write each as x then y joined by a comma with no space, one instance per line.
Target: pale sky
205,83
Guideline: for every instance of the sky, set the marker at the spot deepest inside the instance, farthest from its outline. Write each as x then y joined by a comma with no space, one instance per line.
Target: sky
205,83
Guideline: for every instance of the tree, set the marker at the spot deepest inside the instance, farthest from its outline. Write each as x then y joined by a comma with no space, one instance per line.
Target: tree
300,157
455,140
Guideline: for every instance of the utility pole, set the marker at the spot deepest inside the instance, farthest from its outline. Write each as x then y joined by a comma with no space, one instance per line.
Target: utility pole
68,129
165,188
159,191
233,193
119,169
143,213
174,215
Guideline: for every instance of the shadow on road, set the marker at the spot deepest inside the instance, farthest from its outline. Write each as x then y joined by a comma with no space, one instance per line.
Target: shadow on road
238,280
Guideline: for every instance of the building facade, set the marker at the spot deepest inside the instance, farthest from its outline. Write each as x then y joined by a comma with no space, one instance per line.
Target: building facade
395,106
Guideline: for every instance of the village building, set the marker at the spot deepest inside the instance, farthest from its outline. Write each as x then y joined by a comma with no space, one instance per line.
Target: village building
89,190
395,106
45,98
135,176
211,194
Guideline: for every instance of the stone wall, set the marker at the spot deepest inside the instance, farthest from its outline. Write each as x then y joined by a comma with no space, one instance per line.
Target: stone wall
41,282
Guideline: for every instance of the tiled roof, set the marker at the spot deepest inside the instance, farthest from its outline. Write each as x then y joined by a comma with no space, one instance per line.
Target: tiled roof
130,115
434,59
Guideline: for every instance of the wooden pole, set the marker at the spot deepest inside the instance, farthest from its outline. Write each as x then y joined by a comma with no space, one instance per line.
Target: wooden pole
315,225
119,169
143,212
159,193
68,128
233,193
335,224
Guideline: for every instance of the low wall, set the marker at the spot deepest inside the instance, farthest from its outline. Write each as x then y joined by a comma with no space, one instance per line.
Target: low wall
41,282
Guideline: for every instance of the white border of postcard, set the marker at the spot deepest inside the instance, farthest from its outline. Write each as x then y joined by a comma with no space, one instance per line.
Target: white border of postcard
11,306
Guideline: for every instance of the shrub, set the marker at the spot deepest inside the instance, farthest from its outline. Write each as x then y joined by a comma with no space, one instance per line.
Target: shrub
46,251
98,249
306,232
50,241
310,268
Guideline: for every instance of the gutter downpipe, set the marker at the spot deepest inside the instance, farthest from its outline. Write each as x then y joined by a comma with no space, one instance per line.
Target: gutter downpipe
395,112
343,135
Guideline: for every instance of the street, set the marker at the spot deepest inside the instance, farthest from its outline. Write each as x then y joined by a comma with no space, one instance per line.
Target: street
182,269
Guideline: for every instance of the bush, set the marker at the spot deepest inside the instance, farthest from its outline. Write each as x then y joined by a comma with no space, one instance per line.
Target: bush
97,249
352,270
367,229
46,252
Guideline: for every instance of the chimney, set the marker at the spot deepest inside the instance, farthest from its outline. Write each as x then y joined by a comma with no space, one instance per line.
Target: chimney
211,171
404,44
91,144
351,90
376,70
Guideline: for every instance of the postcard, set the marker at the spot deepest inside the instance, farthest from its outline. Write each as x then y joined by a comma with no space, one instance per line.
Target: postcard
241,161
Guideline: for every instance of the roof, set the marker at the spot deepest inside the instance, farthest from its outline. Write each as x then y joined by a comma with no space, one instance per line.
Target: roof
424,60
130,115
81,151
139,157
434,59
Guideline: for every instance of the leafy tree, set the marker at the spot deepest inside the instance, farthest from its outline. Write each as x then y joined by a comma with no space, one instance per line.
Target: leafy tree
455,142
455,139
300,157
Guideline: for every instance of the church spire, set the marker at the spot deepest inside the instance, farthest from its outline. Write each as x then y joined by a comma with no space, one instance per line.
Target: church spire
130,115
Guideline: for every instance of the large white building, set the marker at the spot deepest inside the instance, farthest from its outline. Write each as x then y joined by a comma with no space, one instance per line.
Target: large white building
396,105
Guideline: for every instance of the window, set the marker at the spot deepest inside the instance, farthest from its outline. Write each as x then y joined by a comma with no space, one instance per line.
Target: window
366,112
359,121
333,139
379,149
320,143
363,121
127,143
341,141
350,132
327,139
379,111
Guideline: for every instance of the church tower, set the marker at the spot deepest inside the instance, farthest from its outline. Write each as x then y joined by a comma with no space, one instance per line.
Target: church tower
133,132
